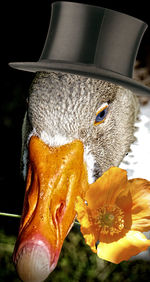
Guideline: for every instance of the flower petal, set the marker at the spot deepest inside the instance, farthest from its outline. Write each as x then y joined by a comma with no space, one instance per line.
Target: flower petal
87,228
140,193
82,213
106,188
90,240
131,244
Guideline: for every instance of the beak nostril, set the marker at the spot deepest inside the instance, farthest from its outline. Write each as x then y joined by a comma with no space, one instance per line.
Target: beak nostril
60,211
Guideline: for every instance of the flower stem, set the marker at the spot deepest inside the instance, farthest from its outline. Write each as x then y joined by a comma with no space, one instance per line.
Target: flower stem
18,216
10,214
76,222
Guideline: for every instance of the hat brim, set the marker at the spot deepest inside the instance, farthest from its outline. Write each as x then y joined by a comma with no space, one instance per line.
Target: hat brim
84,70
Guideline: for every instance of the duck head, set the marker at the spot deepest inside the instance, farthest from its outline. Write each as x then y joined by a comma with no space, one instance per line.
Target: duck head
75,128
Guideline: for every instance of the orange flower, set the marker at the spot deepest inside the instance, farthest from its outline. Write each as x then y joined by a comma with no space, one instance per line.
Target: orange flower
115,215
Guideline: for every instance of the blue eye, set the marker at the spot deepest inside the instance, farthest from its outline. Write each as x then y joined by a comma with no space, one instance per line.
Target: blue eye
100,117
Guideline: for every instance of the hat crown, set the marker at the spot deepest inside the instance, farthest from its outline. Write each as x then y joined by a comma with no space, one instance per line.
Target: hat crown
85,34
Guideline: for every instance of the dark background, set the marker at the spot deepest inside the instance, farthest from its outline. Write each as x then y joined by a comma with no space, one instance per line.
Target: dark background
24,26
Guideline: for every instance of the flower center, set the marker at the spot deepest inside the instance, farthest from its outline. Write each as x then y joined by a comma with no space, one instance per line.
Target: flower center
110,219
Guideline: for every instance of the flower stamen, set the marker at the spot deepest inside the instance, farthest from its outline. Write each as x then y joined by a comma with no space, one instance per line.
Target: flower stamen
110,220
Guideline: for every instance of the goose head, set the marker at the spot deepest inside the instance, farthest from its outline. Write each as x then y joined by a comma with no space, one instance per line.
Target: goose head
75,128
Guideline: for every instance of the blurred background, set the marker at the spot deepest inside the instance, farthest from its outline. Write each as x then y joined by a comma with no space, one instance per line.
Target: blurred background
24,26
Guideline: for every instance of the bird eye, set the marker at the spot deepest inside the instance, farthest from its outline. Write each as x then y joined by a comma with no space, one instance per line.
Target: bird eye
101,115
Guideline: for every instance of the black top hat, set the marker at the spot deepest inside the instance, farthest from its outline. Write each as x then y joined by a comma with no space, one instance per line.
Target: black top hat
91,41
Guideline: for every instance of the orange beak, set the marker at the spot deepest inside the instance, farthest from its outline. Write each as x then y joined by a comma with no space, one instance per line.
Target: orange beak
56,176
